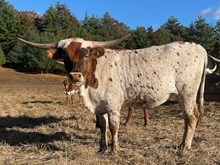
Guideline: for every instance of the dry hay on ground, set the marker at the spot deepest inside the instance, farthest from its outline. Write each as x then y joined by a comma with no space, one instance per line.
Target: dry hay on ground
38,126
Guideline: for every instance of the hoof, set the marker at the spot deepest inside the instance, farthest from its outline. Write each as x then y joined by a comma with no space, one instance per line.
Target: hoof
103,149
115,149
114,153
125,123
182,151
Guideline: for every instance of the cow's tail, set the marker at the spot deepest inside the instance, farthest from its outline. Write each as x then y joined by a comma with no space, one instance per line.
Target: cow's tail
202,89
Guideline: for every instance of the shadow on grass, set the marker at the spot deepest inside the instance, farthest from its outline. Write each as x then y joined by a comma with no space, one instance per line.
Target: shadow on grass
17,137
13,137
42,102
35,102
26,122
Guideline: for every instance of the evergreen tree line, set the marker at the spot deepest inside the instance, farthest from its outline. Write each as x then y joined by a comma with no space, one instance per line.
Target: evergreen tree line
59,23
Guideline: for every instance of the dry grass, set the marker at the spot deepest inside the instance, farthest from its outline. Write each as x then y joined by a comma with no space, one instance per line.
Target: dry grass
37,126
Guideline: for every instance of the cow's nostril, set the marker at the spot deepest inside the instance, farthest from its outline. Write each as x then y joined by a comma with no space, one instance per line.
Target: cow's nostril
79,76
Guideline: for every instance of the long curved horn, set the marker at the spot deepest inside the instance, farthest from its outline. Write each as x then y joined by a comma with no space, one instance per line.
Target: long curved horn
109,43
37,45
215,59
210,71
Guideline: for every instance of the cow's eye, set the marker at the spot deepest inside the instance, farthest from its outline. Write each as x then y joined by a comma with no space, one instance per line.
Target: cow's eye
83,52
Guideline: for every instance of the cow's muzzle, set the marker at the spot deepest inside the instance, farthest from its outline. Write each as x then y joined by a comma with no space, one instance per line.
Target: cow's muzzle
76,78
70,93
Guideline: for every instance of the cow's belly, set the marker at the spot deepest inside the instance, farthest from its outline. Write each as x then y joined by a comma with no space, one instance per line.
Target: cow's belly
156,101
150,97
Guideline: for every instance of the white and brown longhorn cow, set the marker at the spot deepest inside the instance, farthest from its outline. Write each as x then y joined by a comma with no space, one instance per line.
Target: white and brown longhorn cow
70,90
110,79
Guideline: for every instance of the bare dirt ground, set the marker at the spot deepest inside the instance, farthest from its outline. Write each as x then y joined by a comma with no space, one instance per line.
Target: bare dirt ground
38,126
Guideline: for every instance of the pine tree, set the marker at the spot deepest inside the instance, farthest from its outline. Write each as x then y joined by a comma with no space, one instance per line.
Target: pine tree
60,21
2,57
216,49
176,30
202,33
27,21
161,36
139,39
29,58
8,26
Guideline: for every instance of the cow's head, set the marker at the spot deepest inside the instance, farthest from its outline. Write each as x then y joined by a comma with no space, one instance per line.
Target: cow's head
84,69
79,56
70,88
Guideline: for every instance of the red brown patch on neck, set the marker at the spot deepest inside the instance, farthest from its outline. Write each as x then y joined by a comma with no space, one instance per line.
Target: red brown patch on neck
90,66
90,74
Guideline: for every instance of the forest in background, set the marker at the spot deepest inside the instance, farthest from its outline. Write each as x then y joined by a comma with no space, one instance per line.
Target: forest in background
58,22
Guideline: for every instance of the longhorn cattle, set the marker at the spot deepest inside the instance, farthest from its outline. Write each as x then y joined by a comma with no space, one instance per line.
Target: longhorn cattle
70,90
111,79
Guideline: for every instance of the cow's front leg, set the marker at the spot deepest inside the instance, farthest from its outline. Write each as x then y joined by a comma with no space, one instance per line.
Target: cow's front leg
191,117
103,124
114,121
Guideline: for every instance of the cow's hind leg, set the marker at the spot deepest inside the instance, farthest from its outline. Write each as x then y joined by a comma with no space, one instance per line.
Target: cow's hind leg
191,116
130,112
114,122
97,123
146,117
103,124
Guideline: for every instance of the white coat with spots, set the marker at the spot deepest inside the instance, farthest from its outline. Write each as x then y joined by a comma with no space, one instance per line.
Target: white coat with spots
111,79
151,75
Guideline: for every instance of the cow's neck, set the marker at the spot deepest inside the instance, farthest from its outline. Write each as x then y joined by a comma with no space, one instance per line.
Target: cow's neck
91,81
88,100
107,78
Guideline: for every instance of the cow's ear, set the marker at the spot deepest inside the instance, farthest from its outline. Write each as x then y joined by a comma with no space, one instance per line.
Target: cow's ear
65,82
97,52
53,54
73,50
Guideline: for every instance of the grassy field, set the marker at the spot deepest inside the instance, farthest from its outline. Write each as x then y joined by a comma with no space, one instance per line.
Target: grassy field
38,126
